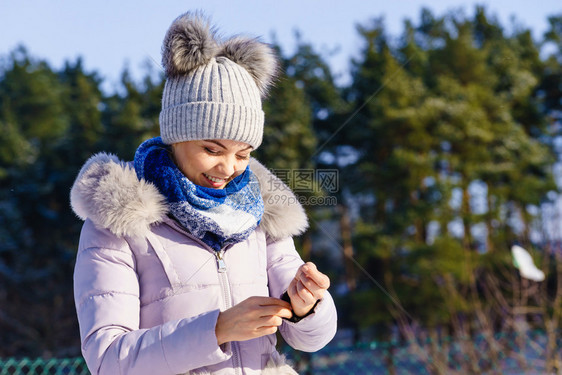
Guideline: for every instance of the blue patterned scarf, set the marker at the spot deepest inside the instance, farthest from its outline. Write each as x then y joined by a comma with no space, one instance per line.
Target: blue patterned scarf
218,217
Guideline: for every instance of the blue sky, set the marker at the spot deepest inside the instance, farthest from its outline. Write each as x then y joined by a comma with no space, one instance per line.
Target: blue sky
112,34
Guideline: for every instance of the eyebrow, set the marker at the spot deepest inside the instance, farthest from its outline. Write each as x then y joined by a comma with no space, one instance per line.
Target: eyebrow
223,146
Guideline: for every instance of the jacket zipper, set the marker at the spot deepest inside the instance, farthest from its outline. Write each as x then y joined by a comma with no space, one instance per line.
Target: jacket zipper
225,286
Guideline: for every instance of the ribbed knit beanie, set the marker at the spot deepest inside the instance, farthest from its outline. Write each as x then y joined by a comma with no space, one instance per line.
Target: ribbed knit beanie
213,89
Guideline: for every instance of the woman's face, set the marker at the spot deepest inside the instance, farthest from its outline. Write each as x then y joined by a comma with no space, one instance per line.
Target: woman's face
211,163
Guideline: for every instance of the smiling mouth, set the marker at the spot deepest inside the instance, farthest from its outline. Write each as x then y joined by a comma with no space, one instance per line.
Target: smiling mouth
215,179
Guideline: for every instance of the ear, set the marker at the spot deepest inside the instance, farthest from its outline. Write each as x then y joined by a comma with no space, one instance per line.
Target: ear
258,58
188,44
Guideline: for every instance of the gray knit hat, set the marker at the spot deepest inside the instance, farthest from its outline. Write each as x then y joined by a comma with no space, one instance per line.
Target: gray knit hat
213,89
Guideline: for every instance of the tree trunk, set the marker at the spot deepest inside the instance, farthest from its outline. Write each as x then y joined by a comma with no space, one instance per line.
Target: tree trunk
489,227
306,246
345,228
465,213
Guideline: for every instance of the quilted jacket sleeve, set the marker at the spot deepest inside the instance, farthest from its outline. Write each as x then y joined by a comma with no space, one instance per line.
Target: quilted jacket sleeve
316,330
106,292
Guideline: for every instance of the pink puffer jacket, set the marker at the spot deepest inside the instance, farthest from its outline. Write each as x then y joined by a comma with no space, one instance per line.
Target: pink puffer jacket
148,294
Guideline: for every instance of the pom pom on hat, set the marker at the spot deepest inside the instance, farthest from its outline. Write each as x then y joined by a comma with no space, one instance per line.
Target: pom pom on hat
257,58
189,43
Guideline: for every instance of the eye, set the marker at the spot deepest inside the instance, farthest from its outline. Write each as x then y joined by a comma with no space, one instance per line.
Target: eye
243,157
211,151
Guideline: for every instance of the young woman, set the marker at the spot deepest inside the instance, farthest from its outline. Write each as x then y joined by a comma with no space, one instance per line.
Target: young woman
186,262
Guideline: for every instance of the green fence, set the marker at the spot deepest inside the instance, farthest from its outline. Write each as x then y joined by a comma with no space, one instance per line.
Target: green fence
39,366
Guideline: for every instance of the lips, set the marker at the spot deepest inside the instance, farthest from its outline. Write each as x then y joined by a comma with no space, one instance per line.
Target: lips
215,181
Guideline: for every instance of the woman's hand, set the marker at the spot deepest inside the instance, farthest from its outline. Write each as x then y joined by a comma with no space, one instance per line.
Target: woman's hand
306,288
251,318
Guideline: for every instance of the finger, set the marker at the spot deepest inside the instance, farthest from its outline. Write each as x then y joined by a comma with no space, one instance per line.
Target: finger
266,330
309,266
313,287
310,271
316,275
299,272
308,282
304,269
267,311
294,294
316,292
293,282
286,313
270,321
271,301
305,294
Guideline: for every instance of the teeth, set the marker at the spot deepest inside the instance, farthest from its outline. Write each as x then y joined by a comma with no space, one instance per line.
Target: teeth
215,179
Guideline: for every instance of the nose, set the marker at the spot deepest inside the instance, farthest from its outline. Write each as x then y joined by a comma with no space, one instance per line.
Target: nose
227,166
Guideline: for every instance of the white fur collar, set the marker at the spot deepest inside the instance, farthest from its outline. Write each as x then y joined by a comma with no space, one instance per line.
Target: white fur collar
108,192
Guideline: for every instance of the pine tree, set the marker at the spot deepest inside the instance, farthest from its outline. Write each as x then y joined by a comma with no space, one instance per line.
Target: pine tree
442,122
35,261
